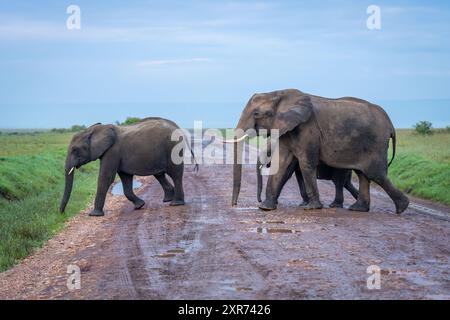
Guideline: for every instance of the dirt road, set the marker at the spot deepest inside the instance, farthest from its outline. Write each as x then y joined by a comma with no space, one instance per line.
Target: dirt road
210,250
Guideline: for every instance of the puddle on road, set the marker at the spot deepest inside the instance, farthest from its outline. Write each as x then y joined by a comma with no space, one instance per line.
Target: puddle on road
230,285
419,280
176,251
118,188
245,209
166,255
271,222
171,253
274,230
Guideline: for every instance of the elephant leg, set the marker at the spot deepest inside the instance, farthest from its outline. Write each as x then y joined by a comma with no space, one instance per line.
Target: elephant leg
288,174
351,188
105,179
338,201
308,162
127,183
301,186
176,174
276,179
363,201
310,180
169,190
401,201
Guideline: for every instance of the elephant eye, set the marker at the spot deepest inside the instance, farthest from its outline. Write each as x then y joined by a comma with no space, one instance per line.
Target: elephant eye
256,114
269,114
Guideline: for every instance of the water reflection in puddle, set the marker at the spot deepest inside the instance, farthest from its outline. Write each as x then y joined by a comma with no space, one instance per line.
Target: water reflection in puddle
171,253
273,230
271,222
118,188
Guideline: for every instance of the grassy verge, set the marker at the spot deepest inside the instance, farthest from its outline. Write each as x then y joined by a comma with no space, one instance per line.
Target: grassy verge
422,165
31,186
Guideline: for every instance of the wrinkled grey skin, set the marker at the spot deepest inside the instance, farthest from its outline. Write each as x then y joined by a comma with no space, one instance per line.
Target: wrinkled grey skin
342,178
345,133
142,149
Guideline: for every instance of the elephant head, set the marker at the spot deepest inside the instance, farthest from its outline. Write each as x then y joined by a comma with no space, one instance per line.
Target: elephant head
282,110
86,146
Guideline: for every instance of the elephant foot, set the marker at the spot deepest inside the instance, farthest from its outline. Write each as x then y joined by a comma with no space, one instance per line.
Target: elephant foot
139,204
96,213
358,206
268,205
336,204
303,204
176,203
312,205
401,205
168,197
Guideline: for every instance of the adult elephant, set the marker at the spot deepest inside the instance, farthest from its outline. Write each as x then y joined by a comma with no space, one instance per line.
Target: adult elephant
141,149
341,178
346,133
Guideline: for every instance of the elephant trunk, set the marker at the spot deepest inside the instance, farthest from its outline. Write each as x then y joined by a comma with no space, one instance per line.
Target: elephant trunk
237,171
246,122
259,180
69,173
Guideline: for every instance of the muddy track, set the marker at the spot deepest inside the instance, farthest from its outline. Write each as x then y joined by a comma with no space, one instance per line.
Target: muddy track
210,250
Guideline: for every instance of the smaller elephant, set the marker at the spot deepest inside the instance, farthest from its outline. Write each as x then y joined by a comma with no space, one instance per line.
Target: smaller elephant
143,149
340,177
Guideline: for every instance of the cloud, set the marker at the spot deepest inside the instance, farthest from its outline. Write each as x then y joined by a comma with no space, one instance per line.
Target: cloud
151,63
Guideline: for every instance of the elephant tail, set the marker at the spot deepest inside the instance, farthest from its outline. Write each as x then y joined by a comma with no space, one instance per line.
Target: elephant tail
196,168
195,161
394,146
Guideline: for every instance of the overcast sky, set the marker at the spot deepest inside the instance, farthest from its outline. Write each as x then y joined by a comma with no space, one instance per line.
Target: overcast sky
202,60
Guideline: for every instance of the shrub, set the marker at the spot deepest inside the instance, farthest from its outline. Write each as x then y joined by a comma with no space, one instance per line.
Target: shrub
77,128
130,120
424,127
59,130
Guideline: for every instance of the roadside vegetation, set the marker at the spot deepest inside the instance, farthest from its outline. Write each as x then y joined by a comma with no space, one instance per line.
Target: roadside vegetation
422,164
31,186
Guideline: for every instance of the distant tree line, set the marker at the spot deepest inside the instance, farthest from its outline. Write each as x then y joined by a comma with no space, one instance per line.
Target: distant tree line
426,128
74,128
78,128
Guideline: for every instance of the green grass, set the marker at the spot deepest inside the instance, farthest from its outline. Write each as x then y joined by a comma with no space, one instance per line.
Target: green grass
31,186
422,165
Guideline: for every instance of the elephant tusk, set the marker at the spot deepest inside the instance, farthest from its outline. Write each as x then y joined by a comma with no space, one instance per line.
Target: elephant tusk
261,166
71,171
234,140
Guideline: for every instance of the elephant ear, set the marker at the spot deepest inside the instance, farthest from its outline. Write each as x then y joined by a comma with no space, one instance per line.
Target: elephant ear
101,139
294,108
